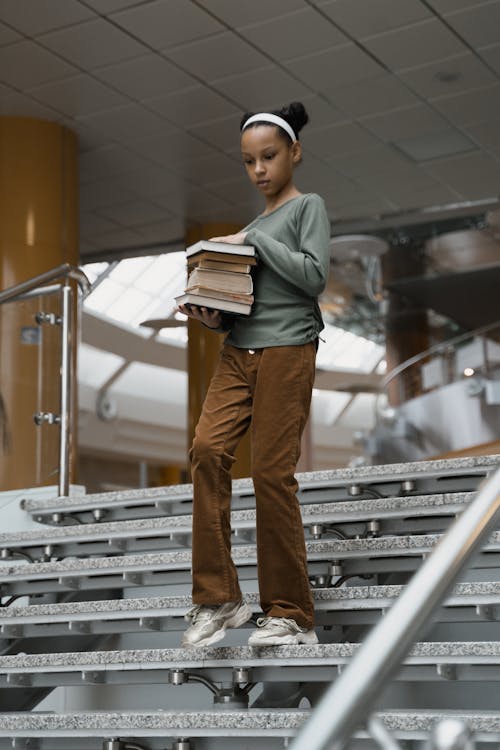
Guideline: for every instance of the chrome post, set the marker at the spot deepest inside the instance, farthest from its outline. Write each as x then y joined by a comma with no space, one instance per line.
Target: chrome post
451,734
66,388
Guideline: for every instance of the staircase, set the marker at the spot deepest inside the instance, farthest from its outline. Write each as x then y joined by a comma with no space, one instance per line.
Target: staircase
94,599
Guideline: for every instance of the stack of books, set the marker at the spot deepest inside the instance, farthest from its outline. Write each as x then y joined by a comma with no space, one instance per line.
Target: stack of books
219,277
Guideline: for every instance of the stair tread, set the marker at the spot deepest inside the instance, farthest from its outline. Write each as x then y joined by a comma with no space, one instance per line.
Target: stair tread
335,477
241,656
461,594
332,512
253,721
243,554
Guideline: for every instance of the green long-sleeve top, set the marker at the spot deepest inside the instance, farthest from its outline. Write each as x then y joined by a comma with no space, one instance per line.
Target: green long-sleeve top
292,244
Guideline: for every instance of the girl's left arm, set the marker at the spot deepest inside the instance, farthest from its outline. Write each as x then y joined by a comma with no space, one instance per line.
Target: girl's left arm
307,269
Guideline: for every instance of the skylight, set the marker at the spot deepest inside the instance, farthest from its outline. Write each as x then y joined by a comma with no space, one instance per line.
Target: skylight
143,288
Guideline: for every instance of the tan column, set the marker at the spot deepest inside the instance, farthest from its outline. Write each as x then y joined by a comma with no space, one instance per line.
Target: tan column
407,328
38,231
203,352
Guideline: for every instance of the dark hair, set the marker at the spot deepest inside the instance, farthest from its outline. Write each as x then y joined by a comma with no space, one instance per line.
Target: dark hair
295,115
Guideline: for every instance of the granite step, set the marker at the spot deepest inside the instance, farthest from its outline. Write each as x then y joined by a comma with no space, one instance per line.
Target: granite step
339,485
468,602
213,729
391,515
427,661
356,557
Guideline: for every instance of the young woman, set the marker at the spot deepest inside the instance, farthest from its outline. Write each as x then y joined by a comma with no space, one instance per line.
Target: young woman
264,381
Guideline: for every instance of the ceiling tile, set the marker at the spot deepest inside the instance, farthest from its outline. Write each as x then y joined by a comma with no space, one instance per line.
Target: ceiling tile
92,44
486,134
117,239
107,192
452,75
150,180
471,106
474,175
91,224
335,67
373,95
414,45
26,64
449,6
404,123
107,161
217,56
7,36
14,104
477,25
212,168
109,6
376,161
440,195
491,55
338,139
236,190
197,104
162,24
78,96
134,213
33,18
300,33
172,149
321,112
433,145
124,123
163,231
407,179
261,89
362,19
223,133
237,14
145,77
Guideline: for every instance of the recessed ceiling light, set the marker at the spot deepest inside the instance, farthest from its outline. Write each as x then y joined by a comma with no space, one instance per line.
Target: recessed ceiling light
448,76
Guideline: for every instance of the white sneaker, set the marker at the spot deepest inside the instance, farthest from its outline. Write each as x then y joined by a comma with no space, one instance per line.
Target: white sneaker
209,623
280,631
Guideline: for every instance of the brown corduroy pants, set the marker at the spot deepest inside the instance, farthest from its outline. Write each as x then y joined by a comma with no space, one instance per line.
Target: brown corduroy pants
269,389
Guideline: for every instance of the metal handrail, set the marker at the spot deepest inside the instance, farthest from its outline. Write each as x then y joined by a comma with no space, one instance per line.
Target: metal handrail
65,270
348,700
443,345
41,285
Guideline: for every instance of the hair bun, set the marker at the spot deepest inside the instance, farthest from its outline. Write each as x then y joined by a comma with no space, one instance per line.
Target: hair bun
295,113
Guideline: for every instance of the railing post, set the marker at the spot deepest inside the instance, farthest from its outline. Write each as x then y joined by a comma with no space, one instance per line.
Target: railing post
66,388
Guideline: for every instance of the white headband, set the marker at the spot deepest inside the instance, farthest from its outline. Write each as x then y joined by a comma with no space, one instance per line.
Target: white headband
275,120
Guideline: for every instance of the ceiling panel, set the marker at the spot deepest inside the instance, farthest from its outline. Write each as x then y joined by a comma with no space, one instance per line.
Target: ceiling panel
33,18
78,96
478,25
474,175
108,6
7,36
26,64
361,18
261,89
172,149
414,45
326,71
339,139
217,56
18,105
300,33
405,123
145,77
491,55
107,161
237,14
379,161
92,44
486,134
134,213
223,133
443,77
106,192
197,104
373,95
162,24
123,123
162,231
450,6
471,106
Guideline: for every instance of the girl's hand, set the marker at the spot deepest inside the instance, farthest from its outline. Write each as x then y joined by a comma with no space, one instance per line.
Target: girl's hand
232,239
211,318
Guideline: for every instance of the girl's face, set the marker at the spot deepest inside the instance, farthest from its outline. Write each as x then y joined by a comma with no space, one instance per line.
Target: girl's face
269,159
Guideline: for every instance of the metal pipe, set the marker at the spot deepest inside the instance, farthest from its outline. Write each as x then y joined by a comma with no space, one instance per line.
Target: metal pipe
65,270
66,389
347,701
